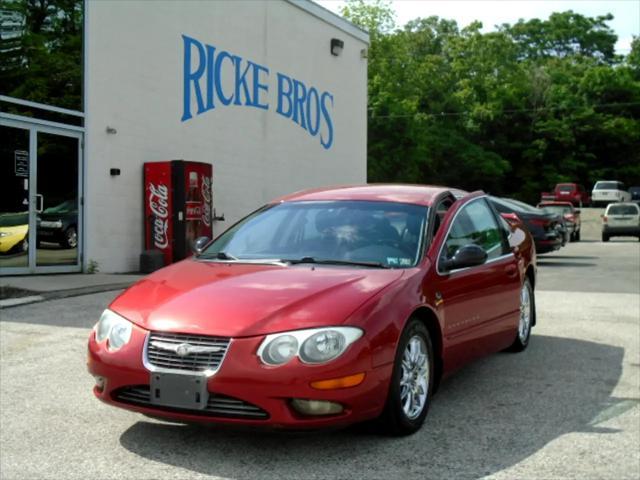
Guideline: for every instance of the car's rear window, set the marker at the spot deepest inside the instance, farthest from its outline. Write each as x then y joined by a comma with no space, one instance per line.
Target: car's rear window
623,210
566,188
608,186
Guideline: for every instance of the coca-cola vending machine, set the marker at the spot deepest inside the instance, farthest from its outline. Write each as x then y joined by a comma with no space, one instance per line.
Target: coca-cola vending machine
177,206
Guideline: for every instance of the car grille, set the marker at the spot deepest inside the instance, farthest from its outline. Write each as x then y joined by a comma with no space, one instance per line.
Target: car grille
217,406
194,362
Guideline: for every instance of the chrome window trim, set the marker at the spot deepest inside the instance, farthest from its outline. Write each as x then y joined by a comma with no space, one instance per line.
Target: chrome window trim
451,272
153,368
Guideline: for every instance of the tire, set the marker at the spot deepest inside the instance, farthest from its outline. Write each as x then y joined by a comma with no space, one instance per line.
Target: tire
577,236
527,317
605,237
70,239
402,417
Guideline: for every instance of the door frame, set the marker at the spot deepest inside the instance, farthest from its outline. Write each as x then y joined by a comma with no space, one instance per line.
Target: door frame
35,126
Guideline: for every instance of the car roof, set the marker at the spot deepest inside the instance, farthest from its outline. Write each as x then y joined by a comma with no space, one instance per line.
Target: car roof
399,193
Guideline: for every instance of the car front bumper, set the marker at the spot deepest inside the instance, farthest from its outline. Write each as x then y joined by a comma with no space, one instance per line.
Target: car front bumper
242,380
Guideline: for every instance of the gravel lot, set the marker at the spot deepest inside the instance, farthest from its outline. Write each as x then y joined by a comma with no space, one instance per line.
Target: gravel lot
568,407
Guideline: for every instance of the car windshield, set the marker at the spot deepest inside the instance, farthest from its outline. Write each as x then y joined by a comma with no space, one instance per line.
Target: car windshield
608,186
14,219
623,210
515,205
64,207
376,234
560,209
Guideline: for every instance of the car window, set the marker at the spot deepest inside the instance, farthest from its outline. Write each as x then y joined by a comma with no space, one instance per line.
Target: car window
475,224
565,188
608,186
623,210
388,233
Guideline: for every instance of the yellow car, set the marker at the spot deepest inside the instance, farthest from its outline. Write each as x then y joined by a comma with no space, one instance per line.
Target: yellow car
14,228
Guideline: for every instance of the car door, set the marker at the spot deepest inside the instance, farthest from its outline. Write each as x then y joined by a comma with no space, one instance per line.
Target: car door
479,304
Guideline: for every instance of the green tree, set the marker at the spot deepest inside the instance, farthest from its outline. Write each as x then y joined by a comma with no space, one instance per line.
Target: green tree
512,112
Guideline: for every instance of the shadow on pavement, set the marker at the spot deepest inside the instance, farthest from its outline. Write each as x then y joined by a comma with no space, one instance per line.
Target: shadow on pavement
547,262
487,417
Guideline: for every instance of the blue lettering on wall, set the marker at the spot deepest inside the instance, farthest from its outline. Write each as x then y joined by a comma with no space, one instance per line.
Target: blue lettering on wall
205,67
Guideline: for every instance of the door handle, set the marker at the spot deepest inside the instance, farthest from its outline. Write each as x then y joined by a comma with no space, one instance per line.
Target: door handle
40,200
511,271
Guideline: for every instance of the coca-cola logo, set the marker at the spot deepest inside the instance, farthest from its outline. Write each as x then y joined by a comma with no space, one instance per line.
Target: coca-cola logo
159,205
206,196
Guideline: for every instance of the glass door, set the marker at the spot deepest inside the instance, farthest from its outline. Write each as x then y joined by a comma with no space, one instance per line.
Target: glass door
57,199
14,199
40,207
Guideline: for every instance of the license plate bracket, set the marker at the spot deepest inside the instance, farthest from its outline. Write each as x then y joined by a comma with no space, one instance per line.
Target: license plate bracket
179,391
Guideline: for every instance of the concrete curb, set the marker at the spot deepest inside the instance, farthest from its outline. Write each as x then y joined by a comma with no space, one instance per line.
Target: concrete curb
57,294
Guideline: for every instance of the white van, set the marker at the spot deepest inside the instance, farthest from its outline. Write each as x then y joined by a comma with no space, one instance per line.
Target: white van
621,220
608,191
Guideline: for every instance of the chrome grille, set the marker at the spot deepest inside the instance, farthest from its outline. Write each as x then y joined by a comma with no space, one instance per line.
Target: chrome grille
194,362
217,406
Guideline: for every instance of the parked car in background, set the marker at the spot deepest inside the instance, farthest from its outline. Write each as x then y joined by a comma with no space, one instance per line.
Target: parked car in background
635,194
568,192
570,214
58,224
321,309
547,229
609,191
621,220
14,229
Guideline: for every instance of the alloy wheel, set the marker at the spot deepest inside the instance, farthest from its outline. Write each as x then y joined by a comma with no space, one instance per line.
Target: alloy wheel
414,380
524,326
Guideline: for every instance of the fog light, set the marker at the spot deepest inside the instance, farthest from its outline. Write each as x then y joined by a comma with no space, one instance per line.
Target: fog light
100,381
316,407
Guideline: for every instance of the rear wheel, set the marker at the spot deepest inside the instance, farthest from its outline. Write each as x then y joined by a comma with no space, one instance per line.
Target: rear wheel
605,237
411,382
577,236
527,317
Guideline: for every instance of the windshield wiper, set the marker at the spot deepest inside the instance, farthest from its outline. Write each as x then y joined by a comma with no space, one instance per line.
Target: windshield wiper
297,261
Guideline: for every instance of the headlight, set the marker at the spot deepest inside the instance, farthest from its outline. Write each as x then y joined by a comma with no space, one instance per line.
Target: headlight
317,345
51,224
4,234
280,350
322,346
114,327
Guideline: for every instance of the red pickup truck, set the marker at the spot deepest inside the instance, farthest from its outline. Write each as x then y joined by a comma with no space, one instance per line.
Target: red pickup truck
568,192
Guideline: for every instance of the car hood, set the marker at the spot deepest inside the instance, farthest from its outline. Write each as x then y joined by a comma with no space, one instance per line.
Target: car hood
227,299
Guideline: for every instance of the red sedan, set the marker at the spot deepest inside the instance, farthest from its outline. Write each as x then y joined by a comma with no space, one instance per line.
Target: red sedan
323,308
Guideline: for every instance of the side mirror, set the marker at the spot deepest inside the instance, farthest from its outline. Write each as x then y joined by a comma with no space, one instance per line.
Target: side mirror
467,256
199,244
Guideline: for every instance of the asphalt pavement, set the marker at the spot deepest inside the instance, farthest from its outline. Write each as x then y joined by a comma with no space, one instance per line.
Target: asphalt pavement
567,407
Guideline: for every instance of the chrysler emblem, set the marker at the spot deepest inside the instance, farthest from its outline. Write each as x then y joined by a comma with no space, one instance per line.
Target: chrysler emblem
184,349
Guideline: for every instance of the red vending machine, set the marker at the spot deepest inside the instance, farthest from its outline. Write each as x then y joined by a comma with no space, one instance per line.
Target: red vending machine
177,206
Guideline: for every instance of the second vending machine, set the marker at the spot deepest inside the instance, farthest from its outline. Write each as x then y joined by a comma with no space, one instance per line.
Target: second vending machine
177,206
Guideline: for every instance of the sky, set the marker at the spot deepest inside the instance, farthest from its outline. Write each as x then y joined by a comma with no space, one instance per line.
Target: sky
626,22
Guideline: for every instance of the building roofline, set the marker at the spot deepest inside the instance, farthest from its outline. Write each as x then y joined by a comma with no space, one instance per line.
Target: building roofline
331,18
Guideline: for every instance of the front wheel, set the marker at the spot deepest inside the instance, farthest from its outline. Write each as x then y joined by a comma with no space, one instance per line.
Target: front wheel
411,382
577,239
605,237
70,239
527,317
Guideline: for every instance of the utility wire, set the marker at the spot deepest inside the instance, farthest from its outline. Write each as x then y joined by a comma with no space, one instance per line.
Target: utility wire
372,114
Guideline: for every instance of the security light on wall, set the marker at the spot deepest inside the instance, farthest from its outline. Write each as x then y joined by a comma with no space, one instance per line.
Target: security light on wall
336,46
